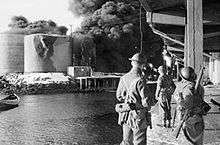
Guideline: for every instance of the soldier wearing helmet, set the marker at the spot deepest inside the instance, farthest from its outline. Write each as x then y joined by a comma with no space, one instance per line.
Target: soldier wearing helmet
187,99
164,92
133,90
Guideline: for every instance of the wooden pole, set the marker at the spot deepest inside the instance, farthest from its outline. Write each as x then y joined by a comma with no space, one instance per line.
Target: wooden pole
186,57
178,71
193,52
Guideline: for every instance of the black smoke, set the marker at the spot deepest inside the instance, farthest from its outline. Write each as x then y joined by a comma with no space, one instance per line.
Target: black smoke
115,28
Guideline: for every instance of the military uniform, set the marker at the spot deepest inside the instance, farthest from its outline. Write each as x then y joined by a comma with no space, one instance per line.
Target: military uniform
133,89
166,88
193,128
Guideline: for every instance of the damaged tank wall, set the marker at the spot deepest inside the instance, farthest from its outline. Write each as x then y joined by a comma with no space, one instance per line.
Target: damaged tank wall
12,53
47,53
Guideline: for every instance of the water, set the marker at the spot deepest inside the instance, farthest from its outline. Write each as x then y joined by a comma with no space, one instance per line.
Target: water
68,119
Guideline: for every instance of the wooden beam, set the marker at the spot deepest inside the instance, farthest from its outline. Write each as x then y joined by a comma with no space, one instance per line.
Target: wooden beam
208,35
214,34
170,48
166,19
193,55
209,45
211,41
172,19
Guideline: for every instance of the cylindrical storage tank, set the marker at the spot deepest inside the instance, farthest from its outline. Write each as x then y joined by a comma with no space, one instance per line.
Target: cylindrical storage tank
47,53
12,53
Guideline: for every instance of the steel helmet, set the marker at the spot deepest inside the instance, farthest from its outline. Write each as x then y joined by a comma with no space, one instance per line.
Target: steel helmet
138,57
188,73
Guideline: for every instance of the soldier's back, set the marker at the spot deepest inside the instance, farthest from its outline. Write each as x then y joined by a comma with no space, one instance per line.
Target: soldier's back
130,77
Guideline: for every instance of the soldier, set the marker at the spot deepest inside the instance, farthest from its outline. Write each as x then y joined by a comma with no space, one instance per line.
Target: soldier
187,99
164,92
136,96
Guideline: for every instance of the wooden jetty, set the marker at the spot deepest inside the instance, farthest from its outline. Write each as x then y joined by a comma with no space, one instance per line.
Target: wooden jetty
100,83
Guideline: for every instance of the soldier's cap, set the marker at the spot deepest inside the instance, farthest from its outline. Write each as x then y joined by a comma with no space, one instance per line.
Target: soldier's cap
139,57
188,73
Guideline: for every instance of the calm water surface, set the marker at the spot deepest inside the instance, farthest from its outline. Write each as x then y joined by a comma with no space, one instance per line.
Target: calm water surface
61,119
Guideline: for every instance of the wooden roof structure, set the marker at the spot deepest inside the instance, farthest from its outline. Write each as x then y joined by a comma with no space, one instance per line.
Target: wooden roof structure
168,19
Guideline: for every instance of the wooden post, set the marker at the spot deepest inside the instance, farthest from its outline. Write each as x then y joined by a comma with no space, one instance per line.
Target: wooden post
211,68
193,52
185,48
216,77
177,71
81,82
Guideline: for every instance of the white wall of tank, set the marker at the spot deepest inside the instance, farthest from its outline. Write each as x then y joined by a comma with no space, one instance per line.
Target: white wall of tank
12,53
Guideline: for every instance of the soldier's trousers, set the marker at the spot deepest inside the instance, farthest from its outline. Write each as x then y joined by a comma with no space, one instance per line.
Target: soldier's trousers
165,108
134,136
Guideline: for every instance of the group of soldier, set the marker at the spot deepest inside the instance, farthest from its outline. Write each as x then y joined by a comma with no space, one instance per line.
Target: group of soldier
136,100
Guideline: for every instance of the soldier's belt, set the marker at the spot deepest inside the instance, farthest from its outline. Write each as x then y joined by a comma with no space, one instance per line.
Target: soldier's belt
122,107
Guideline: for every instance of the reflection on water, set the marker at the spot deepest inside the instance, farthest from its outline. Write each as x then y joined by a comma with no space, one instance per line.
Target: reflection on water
61,119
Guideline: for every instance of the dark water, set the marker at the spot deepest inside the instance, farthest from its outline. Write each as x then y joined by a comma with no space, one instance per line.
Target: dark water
68,119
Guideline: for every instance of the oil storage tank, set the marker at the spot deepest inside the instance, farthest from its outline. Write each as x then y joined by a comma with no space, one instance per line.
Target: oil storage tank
47,53
12,53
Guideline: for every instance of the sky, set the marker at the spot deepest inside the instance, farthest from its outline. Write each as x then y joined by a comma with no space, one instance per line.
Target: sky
56,10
